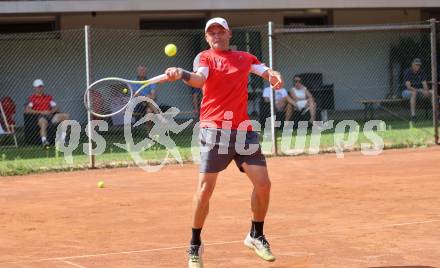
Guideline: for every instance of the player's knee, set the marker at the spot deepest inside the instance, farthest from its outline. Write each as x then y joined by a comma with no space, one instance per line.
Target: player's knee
205,191
203,197
206,188
263,185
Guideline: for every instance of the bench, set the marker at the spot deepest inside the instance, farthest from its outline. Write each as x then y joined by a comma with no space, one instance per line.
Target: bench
371,105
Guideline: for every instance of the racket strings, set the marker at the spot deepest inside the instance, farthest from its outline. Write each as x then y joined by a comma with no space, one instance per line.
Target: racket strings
108,97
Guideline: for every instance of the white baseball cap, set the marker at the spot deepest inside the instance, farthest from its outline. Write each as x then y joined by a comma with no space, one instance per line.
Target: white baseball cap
38,82
221,21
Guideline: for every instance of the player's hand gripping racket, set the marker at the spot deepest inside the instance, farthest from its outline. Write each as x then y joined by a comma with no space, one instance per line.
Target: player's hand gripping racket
109,96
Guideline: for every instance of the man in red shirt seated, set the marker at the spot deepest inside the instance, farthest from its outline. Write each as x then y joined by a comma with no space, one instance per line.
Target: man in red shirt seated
45,107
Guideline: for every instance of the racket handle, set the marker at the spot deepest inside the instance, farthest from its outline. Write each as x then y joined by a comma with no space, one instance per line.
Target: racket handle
157,79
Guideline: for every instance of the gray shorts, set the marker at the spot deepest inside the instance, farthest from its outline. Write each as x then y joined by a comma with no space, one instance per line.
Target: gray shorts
218,147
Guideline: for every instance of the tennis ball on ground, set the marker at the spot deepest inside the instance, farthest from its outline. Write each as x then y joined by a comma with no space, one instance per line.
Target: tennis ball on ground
170,50
101,184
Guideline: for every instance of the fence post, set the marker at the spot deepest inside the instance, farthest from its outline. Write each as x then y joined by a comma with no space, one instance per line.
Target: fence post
434,79
272,108
88,77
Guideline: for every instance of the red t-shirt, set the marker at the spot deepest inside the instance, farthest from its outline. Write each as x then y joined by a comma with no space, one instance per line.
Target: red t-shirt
226,88
41,102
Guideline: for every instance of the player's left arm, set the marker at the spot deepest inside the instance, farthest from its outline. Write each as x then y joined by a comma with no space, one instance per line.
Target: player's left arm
275,79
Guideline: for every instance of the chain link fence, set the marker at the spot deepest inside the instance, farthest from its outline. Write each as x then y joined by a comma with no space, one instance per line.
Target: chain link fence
57,58
353,74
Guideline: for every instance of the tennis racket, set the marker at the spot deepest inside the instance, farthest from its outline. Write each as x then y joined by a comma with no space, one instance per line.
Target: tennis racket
109,96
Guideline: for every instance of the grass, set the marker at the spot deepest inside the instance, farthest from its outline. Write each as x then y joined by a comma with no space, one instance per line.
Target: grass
31,159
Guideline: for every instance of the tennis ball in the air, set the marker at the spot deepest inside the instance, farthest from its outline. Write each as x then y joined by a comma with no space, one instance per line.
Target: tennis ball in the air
170,50
125,90
101,184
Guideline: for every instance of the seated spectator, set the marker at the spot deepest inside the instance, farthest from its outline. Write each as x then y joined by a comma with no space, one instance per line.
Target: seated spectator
283,102
303,99
45,107
415,85
9,110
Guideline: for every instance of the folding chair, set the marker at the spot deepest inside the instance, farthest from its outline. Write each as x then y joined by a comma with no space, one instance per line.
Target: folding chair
8,129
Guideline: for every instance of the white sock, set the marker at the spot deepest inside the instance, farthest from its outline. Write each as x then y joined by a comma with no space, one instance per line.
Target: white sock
43,139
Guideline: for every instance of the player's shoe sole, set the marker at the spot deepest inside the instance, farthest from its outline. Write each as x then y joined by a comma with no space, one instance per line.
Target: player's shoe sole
260,246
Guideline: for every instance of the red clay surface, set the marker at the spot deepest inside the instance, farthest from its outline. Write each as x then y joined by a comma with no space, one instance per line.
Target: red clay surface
359,211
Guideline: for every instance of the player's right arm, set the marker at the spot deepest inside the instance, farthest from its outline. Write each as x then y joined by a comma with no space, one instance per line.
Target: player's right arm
196,80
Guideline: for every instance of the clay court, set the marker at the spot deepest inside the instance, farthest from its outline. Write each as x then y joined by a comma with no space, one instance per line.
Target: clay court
360,211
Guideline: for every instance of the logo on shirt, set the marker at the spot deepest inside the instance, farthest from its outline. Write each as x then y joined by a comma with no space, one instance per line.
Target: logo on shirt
218,63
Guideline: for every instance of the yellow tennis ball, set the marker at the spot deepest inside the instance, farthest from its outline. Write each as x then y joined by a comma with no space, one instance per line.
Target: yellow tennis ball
101,184
125,91
170,50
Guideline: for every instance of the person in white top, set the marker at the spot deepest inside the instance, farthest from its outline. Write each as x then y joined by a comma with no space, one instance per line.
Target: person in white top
283,102
303,98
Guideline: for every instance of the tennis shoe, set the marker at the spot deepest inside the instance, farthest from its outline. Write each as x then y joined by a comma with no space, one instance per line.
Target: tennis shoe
195,256
260,246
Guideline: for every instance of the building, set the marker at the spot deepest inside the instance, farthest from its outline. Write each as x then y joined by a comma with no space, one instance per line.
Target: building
135,14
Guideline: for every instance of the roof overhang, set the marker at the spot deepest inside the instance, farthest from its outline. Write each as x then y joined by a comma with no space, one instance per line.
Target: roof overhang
11,7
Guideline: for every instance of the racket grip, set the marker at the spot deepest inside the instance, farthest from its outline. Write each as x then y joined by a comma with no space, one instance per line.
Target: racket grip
158,78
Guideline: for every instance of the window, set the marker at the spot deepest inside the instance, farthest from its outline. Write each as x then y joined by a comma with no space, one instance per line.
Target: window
309,18
10,27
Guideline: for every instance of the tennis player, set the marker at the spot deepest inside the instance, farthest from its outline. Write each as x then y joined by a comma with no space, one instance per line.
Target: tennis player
223,77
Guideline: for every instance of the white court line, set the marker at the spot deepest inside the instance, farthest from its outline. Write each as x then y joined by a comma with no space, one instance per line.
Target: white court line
296,254
211,244
409,223
74,264
377,256
119,253
354,260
